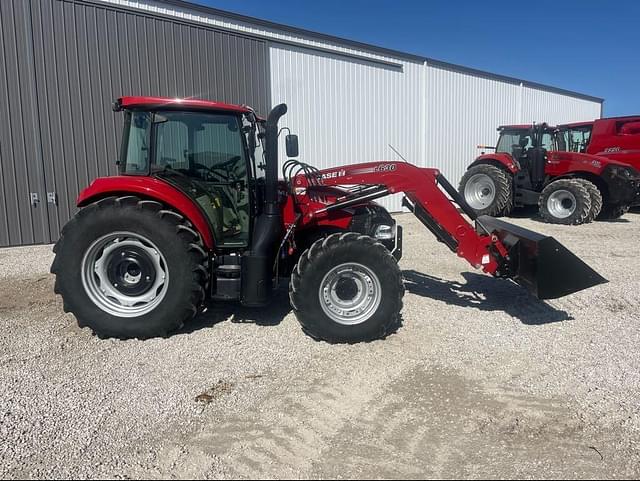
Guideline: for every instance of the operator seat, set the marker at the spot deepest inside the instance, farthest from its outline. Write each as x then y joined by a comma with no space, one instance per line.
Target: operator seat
520,152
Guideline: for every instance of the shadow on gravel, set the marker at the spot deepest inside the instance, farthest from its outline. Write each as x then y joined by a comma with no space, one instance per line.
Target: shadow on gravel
619,220
486,294
270,315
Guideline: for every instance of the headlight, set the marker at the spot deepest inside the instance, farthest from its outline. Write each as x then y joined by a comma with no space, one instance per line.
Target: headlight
384,232
624,172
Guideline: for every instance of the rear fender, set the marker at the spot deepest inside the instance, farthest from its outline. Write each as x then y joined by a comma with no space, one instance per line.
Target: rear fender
152,189
504,161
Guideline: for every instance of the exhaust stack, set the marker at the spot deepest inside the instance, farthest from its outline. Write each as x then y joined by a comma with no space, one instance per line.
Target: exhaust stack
257,264
540,263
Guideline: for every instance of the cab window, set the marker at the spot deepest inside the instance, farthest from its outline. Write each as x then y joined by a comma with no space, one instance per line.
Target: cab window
510,141
134,155
547,141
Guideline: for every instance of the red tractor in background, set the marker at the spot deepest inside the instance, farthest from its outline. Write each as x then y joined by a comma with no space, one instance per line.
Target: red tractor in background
617,138
574,173
197,214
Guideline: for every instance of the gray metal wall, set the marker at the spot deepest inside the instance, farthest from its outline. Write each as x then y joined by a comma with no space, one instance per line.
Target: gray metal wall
65,62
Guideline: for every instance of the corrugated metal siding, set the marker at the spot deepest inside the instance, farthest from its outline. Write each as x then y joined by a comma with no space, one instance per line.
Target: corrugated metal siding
463,111
273,34
81,56
345,111
541,106
20,157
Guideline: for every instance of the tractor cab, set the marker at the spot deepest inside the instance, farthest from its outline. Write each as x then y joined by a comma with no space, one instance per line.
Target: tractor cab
528,146
212,152
517,140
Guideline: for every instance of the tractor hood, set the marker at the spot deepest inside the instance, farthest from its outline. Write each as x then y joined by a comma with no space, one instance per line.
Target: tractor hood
578,162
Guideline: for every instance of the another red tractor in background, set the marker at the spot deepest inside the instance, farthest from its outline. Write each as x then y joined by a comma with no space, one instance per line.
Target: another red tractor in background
616,138
198,215
574,173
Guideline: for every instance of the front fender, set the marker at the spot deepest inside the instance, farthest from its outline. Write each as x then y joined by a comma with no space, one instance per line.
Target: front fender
153,189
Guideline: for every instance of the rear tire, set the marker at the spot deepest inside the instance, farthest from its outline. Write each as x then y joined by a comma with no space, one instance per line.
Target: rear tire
565,201
488,190
347,288
108,251
596,200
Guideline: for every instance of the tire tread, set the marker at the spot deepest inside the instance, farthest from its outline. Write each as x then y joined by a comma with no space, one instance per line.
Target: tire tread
503,180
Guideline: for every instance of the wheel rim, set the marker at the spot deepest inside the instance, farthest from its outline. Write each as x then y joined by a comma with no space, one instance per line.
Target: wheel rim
125,274
480,191
561,204
350,293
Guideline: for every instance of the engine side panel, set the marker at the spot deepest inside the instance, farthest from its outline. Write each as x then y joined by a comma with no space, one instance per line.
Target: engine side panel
563,163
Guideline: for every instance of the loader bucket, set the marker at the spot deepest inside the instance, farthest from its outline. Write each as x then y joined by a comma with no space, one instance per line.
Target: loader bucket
540,263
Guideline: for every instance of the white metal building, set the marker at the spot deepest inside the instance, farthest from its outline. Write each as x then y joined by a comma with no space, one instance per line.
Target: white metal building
347,100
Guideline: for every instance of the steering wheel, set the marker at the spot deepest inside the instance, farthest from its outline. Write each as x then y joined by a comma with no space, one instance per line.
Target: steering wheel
213,171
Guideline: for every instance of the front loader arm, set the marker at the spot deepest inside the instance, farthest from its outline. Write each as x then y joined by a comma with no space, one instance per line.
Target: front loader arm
539,263
424,198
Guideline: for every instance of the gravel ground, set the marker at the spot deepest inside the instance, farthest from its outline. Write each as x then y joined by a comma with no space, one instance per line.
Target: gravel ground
480,381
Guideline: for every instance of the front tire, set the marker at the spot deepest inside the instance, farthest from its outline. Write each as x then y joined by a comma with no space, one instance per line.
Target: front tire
347,288
129,268
488,190
565,201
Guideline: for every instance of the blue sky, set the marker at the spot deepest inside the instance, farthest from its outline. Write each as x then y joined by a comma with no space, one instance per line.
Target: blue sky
588,46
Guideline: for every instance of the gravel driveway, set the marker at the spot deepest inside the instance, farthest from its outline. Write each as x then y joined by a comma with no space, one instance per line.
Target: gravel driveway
480,381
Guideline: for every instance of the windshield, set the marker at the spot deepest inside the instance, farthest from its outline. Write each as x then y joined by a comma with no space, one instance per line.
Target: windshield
194,141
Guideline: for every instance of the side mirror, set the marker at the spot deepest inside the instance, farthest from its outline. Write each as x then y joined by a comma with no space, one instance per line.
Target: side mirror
292,145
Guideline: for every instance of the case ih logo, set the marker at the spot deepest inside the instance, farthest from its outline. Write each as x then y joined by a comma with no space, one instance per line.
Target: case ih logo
385,168
333,175
612,149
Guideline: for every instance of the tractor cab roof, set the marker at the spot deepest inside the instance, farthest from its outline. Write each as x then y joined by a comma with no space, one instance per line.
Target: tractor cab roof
152,103
523,127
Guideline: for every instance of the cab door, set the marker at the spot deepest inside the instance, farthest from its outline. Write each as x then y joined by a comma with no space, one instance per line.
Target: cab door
204,154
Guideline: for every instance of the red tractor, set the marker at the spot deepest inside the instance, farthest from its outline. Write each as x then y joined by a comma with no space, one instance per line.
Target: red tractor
566,171
197,214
